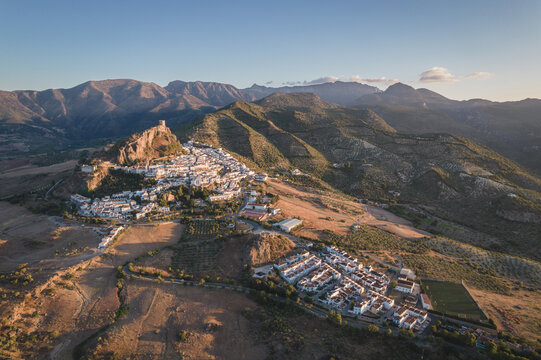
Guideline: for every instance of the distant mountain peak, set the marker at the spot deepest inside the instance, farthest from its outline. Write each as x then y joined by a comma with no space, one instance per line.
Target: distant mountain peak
294,100
399,89
339,92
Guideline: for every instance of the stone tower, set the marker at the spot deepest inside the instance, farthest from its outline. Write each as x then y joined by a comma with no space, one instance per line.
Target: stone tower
162,122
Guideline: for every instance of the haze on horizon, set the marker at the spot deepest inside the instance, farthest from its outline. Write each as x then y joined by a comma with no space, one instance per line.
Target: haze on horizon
483,49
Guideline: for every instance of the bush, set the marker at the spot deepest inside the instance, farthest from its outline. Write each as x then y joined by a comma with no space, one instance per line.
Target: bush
373,329
182,336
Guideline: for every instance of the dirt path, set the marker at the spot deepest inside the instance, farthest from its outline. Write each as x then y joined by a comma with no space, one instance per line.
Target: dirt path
388,221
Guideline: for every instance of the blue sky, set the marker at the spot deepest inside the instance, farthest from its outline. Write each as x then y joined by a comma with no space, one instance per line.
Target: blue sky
466,49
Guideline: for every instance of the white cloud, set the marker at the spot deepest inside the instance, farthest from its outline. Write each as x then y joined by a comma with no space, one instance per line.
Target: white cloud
481,74
437,74
441,74
355,78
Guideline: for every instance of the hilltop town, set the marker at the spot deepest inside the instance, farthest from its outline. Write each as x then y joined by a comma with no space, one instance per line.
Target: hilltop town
150,214
328,277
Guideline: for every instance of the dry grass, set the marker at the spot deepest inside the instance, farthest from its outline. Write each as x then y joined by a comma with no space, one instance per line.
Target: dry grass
518,314
326,212
211,319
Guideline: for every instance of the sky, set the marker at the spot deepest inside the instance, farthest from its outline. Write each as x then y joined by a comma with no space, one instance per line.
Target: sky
461,49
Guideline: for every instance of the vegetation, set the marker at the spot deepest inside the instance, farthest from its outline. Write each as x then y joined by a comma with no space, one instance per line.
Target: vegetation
453,299
117,181
371,238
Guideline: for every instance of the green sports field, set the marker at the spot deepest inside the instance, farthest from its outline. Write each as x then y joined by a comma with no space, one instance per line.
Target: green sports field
452,299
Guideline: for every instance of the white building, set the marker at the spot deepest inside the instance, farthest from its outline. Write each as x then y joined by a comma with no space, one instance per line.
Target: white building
289,224
405,286
89,169
408,273
425,301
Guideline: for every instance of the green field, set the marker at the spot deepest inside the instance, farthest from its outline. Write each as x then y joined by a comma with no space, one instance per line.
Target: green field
452,299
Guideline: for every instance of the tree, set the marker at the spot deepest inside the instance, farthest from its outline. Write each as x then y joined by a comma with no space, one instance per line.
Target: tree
394,283
492,348
470,339
334,316
373,329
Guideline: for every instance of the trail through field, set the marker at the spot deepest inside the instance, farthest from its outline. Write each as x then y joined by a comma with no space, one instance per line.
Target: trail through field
385,220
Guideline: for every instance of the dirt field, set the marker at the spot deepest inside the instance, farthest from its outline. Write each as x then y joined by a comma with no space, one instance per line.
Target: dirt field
33,170
222,324
212,320
388,221
34,239
518,314
76,301
320,212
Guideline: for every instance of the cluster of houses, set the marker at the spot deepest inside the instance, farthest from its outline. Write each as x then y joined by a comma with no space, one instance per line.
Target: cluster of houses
296,266
340,281
258,210
408,316
341,278
119,206
202,166
106,240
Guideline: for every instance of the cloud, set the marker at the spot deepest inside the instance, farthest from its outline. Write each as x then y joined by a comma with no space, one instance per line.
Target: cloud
481,74
355,78
437,74
441,74
381,80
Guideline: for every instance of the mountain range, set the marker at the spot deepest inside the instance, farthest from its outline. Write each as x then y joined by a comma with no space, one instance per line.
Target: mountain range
359,153
33,121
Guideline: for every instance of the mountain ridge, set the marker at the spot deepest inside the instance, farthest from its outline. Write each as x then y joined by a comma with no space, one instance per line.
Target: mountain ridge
511,128
348,149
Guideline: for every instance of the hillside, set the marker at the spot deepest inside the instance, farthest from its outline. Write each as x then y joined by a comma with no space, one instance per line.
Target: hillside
511,128
359,153
52,119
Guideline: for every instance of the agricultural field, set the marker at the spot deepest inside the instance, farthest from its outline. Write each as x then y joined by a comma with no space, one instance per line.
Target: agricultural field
201,230
508,266
432,266
371,238
453,299
197,257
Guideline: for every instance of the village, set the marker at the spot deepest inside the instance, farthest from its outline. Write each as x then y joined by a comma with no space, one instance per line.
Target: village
330,278
338,281
202,166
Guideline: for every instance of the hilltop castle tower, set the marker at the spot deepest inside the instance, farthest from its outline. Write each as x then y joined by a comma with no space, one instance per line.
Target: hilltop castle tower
162,122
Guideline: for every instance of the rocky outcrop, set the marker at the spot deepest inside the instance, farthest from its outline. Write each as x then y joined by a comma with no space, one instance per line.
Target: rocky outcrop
155,142
266,249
